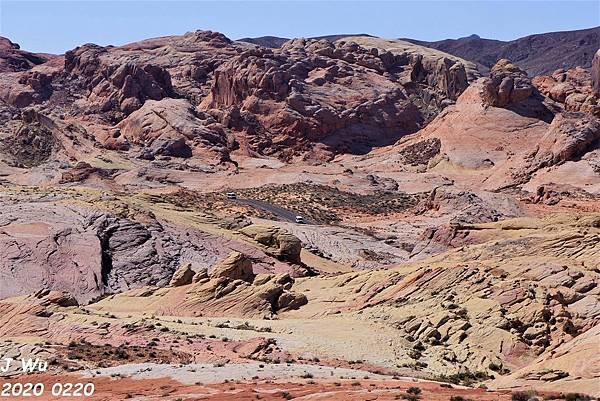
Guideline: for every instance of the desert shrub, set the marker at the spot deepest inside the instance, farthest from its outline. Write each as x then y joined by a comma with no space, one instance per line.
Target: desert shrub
522,395
467,378
495,367
414,390
577,397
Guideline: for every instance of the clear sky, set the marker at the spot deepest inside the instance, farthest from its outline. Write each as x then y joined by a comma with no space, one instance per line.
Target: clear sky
55,26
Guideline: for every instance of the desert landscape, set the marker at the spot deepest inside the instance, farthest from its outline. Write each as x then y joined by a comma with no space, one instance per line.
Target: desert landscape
337,218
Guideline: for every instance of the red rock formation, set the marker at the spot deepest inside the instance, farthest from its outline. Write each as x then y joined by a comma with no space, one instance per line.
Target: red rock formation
122,86
507,84
572,88
570,136
312,98
342,95
12,58
172,127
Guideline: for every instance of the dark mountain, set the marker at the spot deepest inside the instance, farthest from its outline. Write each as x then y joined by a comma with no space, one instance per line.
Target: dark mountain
276,42
538,54
272,42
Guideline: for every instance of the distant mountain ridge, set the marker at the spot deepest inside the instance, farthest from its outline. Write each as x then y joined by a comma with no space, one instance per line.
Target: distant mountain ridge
538,54
276,41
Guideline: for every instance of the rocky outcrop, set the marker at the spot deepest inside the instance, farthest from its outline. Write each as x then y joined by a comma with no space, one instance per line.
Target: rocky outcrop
507,84
91,249
134,254
87,254
573,89
278,241
273,101
236,266
124,87
26,88
83,171
51,253
182,276
262,297
13,59
31,142
286,100
309,99
569,137
172,127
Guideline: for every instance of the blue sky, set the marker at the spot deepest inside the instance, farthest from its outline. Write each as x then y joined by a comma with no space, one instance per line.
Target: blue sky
56,26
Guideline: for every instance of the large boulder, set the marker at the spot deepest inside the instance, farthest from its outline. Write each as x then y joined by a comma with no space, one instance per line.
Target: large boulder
236,266
507,84
183,276
569,137
278,241
290,300
60,298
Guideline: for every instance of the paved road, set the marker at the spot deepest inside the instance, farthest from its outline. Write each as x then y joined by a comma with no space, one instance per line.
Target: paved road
283,214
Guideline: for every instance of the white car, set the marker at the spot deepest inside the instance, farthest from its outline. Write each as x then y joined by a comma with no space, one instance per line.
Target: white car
231,195
299,219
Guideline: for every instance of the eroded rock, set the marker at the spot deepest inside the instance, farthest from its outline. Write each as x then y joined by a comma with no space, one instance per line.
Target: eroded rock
278,241
236,266
507,84
172,127
183,276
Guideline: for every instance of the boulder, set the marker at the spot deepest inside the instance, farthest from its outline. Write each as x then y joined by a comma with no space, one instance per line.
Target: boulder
279,242
539,329
183,276
236,266
569,137
60,298
291,300
200,276
507,84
